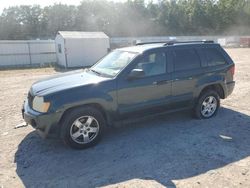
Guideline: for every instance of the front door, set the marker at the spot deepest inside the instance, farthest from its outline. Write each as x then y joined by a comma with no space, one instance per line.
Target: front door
148,93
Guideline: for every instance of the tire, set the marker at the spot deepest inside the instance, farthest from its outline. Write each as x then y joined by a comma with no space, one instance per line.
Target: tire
207,105
82,127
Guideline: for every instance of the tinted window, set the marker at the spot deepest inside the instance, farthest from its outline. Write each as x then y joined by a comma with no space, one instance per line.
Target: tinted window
153,64
185,59
214,57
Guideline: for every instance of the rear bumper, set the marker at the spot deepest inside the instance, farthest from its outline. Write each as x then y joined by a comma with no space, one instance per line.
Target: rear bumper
229,88
42,122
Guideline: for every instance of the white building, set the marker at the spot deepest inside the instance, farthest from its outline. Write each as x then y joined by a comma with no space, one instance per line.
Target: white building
80,49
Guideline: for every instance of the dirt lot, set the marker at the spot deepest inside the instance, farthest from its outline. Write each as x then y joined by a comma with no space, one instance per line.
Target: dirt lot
171,151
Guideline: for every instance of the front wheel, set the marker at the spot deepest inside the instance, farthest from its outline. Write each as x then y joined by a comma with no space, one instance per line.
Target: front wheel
82,127
207,105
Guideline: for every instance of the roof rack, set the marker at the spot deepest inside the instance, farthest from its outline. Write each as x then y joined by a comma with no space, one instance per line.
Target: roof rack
142,43
172,42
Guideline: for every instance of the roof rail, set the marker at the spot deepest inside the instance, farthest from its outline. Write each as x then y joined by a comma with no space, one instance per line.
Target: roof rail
172,42
186,42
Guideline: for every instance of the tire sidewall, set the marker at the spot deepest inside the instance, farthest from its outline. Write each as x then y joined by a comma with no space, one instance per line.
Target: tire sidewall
71,117
206,94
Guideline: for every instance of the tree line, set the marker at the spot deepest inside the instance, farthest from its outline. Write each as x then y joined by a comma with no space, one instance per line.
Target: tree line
130,18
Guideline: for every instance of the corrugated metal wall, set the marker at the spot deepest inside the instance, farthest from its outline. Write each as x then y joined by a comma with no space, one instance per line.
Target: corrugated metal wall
128,41
27,53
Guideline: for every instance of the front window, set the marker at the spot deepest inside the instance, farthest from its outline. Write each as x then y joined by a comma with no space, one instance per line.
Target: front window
153,64
113,63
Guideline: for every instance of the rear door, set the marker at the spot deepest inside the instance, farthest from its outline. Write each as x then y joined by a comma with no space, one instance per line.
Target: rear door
149,93
187,70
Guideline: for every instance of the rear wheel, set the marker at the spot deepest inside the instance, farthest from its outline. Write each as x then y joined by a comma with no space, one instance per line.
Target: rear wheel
82,127
207,105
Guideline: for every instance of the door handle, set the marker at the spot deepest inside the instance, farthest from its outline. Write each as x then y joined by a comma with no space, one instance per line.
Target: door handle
189,78
161,82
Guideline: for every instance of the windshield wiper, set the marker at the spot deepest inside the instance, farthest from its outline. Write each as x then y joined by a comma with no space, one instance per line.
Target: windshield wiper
98,73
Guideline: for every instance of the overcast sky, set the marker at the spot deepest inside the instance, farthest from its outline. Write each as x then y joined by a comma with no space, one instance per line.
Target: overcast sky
8,3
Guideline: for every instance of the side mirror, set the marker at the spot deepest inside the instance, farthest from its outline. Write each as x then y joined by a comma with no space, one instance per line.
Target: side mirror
136,73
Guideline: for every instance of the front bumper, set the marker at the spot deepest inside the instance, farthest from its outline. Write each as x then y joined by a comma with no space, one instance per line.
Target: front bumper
44,123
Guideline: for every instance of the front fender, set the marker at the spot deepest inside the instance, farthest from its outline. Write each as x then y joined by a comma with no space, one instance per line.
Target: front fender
75,97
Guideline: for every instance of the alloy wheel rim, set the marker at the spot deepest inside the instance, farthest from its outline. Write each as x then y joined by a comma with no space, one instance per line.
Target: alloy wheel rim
84,129
209,106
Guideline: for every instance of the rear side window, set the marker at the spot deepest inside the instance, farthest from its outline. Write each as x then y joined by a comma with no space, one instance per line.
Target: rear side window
214,57
185,59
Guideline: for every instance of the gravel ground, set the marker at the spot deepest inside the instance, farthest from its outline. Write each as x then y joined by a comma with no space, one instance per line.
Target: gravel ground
169,151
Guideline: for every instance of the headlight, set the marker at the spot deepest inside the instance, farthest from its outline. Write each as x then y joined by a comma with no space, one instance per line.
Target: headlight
39,104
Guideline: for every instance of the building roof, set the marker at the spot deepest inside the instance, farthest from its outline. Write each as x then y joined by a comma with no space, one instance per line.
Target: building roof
77,34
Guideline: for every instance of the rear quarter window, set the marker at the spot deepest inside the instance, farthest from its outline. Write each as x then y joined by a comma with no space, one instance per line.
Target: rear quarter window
186,59
213,57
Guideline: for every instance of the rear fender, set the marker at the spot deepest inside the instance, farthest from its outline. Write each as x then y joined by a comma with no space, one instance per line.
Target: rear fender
208,81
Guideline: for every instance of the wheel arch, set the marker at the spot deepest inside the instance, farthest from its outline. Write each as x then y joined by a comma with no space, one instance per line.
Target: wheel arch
215,87
97,106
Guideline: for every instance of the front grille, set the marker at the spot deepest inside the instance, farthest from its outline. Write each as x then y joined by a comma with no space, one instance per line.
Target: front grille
30,100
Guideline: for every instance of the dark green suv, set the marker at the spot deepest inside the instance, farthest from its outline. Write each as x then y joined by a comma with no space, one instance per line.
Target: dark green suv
146,79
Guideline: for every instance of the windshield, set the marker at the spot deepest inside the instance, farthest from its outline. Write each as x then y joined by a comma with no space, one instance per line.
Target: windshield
113,63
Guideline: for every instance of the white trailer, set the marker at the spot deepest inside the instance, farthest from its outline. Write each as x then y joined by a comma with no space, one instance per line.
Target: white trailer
80,49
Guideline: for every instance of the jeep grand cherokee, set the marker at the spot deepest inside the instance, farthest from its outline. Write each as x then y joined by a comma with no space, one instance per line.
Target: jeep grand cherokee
145,79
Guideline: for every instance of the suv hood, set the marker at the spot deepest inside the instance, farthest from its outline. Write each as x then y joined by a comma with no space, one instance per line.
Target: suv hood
65,81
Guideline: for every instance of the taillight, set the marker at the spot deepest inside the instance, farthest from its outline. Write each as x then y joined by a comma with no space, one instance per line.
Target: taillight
232,70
